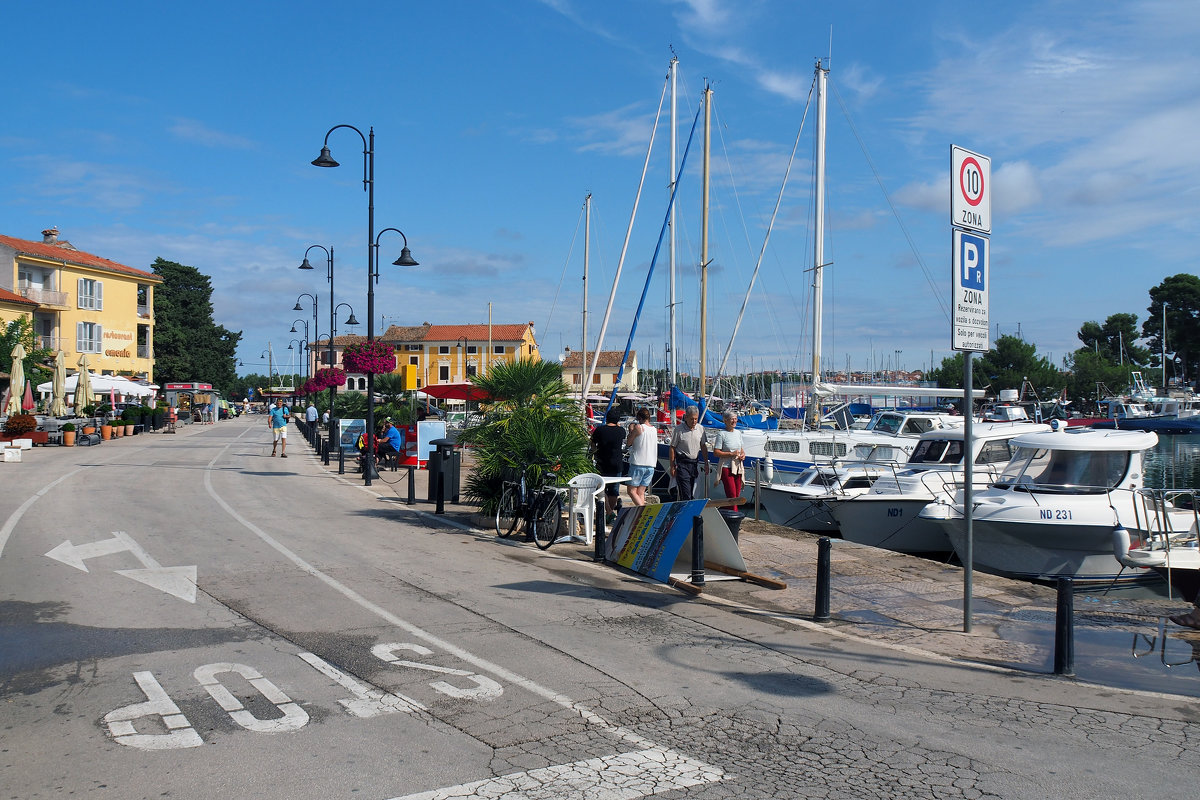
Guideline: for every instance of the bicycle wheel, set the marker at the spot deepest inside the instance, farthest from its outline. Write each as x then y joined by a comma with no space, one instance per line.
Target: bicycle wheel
507,516
548,520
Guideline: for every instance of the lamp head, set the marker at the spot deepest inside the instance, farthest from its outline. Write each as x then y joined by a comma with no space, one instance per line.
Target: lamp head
293,330
352,320
406,259
297,307
324,160
306,265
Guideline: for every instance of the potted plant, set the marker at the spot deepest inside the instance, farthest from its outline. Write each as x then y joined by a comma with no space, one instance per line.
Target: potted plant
131,417
88,411
68,434
20,426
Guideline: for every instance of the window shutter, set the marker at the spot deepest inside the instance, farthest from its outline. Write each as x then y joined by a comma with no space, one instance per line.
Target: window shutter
80,344
79,293
99,296
98,332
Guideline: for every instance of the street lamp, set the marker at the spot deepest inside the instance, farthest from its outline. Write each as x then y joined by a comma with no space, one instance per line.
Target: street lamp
303,322
328,277
325,159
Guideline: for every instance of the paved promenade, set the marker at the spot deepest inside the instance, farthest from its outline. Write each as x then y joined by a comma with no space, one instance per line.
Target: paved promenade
916,605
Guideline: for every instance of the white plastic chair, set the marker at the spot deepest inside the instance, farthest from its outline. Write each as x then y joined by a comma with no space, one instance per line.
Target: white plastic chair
585,489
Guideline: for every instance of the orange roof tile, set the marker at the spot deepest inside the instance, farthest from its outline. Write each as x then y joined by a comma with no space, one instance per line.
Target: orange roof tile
608,358
500,333
10,297
63,251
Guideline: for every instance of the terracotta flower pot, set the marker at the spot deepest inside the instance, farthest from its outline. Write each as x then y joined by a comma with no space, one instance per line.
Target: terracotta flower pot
68,438
129,430
106,432
89,429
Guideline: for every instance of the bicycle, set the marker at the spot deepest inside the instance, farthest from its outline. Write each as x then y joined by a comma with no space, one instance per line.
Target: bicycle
534,501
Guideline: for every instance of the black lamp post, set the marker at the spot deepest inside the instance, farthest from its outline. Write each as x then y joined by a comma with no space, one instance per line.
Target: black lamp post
406,259
328,277
306,367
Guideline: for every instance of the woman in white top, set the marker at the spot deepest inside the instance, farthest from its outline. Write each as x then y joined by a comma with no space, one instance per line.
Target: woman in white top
642,444
729,448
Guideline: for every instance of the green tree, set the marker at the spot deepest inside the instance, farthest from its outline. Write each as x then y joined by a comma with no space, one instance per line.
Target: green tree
1089,371
1009,363
1181,294
38,361
529,421
188,344
1116,340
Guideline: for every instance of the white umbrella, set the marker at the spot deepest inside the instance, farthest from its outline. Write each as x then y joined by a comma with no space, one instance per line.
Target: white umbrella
17,382
83,386
58,406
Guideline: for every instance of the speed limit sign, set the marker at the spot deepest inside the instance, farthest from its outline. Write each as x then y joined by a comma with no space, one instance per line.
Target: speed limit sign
970,190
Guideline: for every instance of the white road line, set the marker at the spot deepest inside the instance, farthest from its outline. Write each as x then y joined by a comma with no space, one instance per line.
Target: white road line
624,776
11,523
591,717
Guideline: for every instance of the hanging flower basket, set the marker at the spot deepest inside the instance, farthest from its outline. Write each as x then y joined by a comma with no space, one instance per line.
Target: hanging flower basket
327,377
369,358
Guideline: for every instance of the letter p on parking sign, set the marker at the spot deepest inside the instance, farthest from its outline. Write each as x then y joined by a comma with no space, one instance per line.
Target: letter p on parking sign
972,259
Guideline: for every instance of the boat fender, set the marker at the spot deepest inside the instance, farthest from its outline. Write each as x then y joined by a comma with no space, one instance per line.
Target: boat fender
768,468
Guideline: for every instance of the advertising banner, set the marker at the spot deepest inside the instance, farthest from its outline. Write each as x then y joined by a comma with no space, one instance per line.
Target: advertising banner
348,432
656,540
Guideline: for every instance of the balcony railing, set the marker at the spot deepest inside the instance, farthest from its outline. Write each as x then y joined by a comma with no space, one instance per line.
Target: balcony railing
143,351
143,311
50,342
44,296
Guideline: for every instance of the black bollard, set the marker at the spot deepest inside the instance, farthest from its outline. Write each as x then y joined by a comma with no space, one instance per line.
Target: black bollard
1064,629
441,503
412,486
697,551
327,447
821,611
341,462
598,537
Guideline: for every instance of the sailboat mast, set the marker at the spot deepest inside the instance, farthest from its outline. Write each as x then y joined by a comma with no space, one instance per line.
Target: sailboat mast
704,237
671,224
587,247
812,413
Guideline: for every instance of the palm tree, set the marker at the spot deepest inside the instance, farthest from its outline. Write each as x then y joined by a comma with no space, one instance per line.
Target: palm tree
528,423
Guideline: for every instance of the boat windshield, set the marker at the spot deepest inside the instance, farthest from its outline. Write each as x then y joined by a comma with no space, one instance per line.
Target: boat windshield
1064,471
886,423
937,451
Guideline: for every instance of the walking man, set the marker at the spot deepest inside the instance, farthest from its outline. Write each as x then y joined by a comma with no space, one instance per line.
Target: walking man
277,421
310,414
687,449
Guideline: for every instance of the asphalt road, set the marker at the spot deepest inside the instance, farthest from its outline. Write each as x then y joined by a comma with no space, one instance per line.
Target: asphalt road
185,616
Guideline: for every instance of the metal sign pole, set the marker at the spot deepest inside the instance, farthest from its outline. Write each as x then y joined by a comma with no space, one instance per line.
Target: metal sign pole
968,481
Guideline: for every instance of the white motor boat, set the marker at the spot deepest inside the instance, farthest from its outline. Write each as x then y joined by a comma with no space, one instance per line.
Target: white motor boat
887,516
1054,509
806,502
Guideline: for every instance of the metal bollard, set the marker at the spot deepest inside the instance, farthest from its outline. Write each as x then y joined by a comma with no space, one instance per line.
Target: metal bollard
328,450
441,503
697,551
1064,629
757,484
341,461
412,486
821,610
598,537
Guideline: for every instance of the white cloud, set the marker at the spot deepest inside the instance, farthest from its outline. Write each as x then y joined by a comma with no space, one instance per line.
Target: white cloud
190,130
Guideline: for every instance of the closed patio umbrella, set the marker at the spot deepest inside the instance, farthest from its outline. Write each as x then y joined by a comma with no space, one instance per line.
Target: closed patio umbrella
83,386
58,403
17,382
27,403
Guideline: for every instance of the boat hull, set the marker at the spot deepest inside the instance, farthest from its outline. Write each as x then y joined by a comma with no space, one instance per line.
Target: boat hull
803,512
1034,549
892,522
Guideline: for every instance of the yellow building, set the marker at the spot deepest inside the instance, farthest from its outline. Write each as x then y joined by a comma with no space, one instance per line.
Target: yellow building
85,303
433,354
609,364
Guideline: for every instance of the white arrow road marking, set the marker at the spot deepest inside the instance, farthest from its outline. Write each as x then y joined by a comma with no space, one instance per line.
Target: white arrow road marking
624,776
177,581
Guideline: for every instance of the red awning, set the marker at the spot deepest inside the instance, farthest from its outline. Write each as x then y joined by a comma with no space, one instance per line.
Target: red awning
457,391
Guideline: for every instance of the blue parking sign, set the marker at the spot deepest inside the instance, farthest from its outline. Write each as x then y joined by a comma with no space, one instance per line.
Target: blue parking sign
972,261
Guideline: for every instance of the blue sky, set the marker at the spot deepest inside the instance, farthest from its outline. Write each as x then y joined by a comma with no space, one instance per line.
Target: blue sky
185,131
